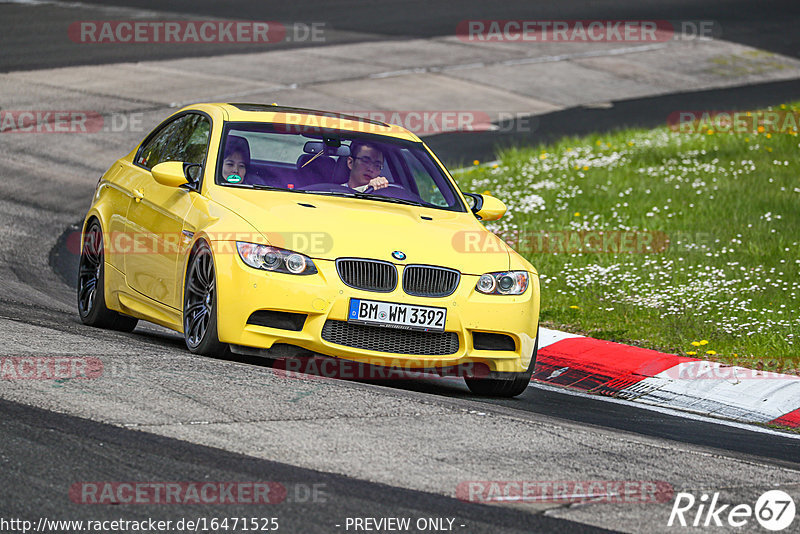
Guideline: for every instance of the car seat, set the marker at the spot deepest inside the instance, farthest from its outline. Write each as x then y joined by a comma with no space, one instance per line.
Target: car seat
316,172
341,172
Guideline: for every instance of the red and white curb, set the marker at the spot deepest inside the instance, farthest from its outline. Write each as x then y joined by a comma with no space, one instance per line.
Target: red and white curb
667,380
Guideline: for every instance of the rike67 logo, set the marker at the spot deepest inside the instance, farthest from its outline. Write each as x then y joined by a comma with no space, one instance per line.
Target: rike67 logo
774,510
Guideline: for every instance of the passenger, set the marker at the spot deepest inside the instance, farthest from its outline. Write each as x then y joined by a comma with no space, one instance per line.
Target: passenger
236,159
365,163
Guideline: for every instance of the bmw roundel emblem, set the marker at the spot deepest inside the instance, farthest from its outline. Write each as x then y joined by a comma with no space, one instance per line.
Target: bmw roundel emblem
398,255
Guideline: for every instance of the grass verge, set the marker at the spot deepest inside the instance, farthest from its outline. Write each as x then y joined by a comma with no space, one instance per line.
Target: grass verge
681,242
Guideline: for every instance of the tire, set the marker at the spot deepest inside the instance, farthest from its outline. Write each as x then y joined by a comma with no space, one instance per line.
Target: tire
514,385
92,307
200,305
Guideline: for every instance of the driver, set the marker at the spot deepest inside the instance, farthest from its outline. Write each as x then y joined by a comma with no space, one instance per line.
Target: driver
365,163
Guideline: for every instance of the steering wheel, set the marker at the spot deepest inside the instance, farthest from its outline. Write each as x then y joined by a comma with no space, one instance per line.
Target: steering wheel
370,189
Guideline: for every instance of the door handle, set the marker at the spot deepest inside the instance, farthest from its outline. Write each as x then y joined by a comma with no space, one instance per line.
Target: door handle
138,195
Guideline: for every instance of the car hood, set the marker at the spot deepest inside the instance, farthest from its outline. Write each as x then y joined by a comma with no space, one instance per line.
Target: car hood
326,227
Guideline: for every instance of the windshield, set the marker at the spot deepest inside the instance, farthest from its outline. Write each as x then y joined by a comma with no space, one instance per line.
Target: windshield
266,156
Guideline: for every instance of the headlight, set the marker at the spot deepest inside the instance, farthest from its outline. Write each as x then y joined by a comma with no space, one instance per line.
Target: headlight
296,263
486,283
504,283
275,259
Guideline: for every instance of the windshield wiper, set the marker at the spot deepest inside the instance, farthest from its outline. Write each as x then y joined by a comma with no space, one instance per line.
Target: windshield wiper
269,187
327,193
387,199
368,196
354,194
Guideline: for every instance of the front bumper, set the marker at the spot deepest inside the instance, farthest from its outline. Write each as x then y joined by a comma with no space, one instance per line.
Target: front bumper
323,297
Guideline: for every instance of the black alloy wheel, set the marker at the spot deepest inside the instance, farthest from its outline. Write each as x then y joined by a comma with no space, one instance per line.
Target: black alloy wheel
200,304
92,307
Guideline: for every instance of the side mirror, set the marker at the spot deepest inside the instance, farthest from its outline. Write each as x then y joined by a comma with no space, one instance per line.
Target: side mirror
486,207
170,173
192,172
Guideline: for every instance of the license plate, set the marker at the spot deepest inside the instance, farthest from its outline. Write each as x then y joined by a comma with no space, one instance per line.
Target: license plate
392,315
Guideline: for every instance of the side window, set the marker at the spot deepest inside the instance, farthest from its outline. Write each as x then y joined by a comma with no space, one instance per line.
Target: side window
428,190
196,131
154,152
184,139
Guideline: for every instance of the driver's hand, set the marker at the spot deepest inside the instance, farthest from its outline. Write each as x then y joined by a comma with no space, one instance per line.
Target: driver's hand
379,183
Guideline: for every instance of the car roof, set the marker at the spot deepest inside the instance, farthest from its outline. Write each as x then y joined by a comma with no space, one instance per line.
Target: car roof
273,113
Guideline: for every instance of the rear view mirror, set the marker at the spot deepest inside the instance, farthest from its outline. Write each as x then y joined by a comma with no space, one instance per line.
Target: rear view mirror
314,147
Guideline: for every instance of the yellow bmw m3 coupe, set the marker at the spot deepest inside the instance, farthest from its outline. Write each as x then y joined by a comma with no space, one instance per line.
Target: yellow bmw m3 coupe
254,228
